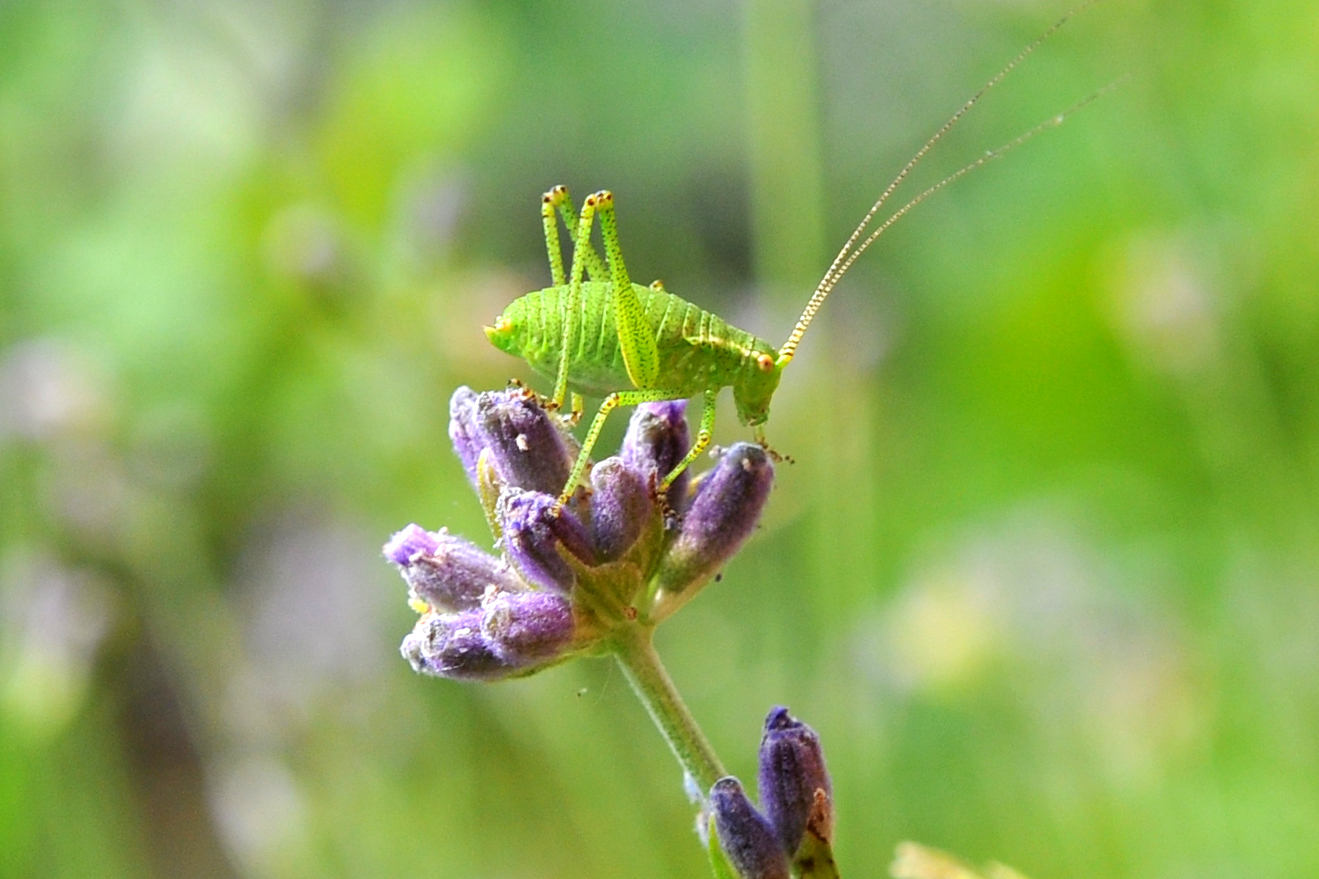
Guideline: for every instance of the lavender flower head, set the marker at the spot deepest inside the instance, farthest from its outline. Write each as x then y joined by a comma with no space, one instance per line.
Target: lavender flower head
564,578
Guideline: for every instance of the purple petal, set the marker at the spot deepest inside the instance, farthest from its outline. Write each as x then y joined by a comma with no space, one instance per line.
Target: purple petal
412,541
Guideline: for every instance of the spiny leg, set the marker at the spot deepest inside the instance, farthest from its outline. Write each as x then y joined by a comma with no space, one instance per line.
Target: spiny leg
636,335
614,400
595,267
572,307
703,436
604,202
547,204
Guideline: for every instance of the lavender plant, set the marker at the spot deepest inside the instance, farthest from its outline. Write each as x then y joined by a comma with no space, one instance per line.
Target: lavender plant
594,578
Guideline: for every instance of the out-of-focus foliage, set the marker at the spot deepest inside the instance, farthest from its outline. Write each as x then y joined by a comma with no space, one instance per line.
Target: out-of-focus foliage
1043,576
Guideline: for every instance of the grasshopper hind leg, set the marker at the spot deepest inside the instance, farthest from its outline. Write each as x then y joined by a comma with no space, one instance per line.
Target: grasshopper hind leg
595,267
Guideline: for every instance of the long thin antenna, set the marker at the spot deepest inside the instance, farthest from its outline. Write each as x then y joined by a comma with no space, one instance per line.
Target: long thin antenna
846,256
989,156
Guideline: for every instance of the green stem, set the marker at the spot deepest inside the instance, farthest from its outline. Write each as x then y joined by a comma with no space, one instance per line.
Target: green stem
642,667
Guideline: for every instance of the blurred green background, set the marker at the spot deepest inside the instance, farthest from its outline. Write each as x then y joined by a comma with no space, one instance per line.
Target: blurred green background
1043,574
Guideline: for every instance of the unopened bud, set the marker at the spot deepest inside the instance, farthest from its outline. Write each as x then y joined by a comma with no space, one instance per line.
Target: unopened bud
525,627
534,528
446,572
722,516
792,771
529,447
657,439
620,505
464,432
452,646
746,836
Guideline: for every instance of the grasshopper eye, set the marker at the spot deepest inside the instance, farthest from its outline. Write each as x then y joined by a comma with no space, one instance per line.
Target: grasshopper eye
765,362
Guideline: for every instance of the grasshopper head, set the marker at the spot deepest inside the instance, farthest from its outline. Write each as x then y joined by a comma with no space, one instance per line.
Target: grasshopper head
755,386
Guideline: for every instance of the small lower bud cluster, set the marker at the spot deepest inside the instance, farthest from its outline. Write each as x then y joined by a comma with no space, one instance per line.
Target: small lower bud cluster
566,574
795,822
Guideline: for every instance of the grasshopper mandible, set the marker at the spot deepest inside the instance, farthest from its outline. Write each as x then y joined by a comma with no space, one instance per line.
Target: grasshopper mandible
607,337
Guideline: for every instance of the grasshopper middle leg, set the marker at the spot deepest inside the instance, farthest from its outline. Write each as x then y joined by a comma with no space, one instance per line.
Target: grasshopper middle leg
612,402
633,398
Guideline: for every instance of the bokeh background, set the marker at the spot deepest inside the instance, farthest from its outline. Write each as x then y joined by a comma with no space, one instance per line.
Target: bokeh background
1043,574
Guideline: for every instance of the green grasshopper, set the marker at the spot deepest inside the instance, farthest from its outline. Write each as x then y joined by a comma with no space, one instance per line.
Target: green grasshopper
607,337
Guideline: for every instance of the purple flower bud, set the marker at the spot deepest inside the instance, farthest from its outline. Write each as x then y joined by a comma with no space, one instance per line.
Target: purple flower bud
620,506
452,646
656,441
533,533
412,542
746,836
447,572
791,771
528,447
722,516
464,432
523,627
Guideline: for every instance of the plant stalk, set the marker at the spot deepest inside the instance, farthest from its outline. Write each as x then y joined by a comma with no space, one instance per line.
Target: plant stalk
642,667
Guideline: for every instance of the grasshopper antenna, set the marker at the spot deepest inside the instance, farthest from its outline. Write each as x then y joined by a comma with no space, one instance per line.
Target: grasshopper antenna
989,156
846,256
